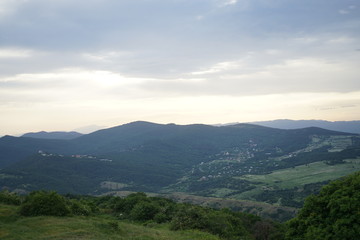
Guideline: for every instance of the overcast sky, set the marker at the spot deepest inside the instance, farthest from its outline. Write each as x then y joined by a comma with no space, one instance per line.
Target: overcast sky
65,64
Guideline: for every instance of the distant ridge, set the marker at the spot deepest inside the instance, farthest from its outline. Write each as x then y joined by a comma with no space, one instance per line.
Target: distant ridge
53,135
341,126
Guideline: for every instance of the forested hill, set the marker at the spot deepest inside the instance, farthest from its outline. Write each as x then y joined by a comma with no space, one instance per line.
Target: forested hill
138,136
53,135
198,159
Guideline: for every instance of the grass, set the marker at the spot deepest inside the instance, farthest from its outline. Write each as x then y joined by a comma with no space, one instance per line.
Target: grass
15,227
305,174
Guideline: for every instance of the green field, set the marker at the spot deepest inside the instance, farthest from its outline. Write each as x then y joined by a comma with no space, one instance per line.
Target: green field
15,227
304,174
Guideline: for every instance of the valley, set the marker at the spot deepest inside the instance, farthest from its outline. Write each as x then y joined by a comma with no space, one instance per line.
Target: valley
238,162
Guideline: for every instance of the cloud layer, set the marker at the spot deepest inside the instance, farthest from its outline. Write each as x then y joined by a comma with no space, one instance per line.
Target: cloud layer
118,61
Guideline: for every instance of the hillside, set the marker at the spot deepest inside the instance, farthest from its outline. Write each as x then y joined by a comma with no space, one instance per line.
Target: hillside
243,161
15,227
48,215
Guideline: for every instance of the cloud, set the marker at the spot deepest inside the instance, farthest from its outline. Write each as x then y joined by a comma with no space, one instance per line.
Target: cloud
106,56
347,10
290,76
8,7
219,67
66,85
123,56
229,2
341,40
15,53
344,12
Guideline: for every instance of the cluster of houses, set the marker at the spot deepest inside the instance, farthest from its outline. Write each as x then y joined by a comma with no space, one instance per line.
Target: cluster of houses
46,154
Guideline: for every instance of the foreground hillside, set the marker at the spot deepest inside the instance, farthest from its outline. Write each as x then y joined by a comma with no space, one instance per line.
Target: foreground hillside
14,227
47,215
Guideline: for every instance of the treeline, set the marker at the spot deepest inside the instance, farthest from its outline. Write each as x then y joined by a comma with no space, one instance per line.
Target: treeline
149,211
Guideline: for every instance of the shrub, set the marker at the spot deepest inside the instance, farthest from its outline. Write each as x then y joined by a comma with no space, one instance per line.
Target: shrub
9,198
144,211
44,203
78,208
125,205
332,214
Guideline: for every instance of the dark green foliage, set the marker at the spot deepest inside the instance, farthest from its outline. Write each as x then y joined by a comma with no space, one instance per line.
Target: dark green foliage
44,203
139,208
9,198
52,204
290,197
266,229
125,205
79,208
189,217
144,211
332,214
221,223
330,158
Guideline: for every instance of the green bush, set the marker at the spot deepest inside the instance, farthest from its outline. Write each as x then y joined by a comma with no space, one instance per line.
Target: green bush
221,223
188,217
125,205
332,214
9,198
44,203
78,208
144,211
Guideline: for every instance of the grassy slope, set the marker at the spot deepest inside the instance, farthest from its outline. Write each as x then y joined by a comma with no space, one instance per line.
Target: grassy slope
300,175
12,226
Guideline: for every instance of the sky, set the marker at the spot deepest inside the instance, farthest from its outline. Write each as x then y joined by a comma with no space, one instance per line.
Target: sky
67,64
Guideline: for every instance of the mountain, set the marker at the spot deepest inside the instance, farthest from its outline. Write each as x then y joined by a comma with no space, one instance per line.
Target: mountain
241,161
53,135
341,126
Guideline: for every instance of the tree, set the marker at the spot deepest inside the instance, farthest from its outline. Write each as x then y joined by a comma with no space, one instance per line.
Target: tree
9,198
44,203
332,214
144,211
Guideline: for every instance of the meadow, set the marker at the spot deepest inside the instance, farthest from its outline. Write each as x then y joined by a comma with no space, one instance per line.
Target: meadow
304,174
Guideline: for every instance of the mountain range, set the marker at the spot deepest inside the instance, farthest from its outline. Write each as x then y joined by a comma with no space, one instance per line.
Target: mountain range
53,135
241,161
342,126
